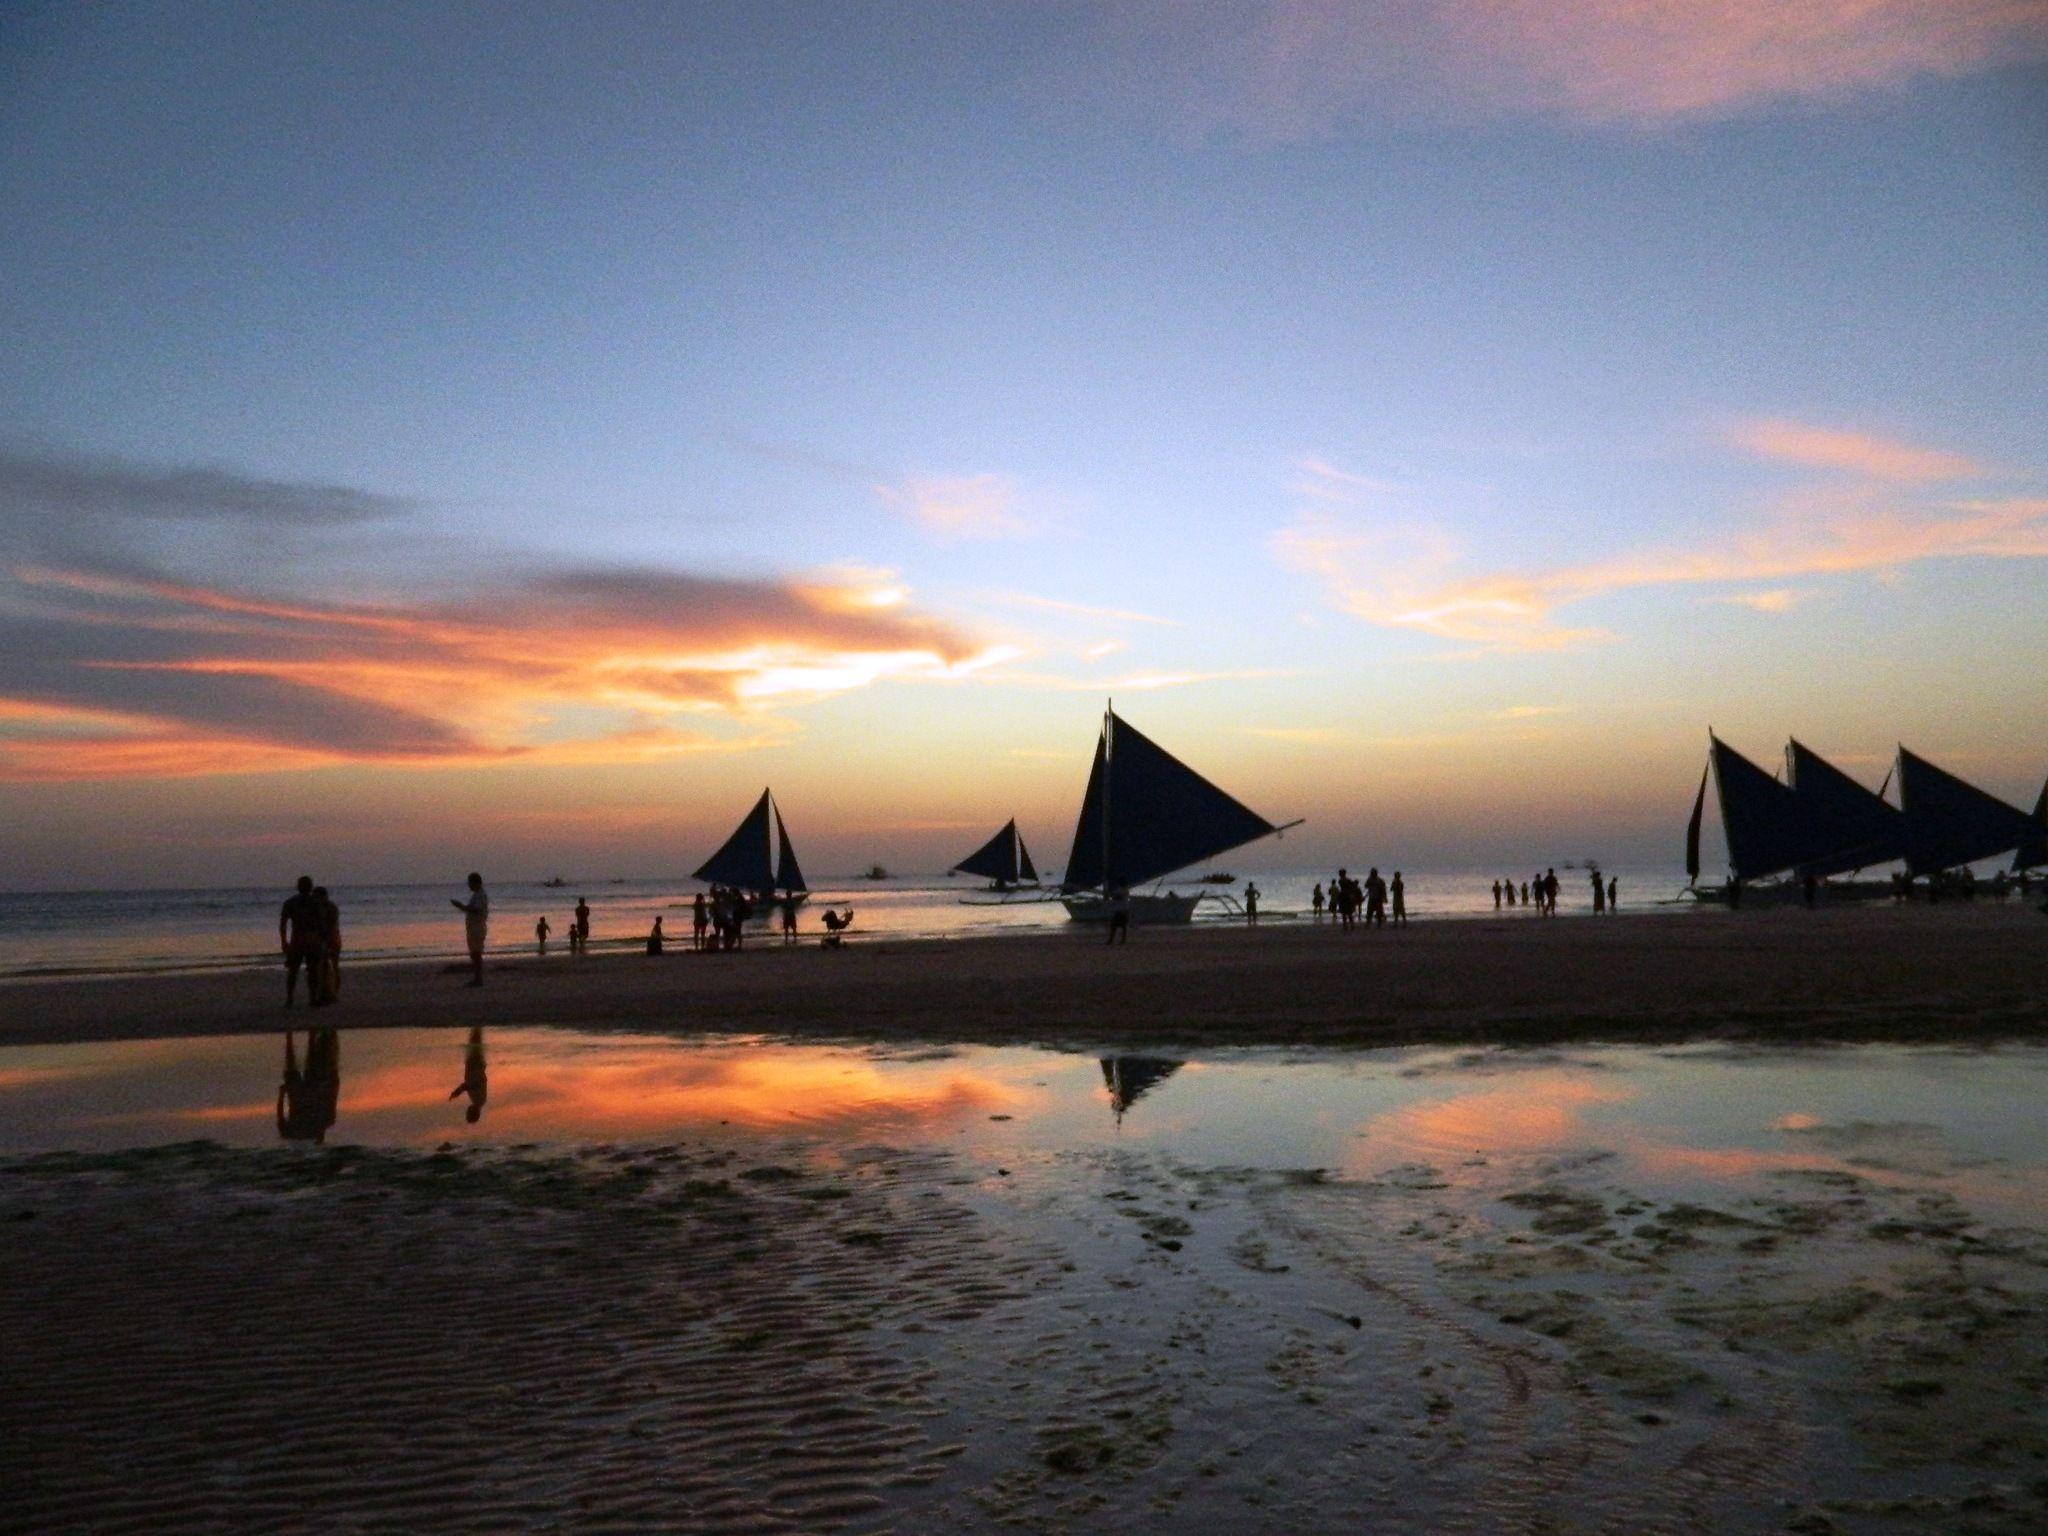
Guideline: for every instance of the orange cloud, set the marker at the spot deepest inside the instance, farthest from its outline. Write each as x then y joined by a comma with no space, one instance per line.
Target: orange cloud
1414,577
1292,69
1859,453
110,674
960,506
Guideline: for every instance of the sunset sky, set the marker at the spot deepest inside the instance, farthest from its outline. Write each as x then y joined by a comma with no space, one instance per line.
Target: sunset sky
437,436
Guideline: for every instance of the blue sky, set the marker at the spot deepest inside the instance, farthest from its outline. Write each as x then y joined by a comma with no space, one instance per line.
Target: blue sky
1526,401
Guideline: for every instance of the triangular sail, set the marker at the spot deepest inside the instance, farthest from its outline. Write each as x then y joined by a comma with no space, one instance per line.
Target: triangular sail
2035,849
1854,828
1147,814
1692,829
787,876
743,861
1950,823
998,858
1766,826
1027,872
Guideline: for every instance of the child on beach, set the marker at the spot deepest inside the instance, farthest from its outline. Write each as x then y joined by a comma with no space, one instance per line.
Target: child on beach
540,934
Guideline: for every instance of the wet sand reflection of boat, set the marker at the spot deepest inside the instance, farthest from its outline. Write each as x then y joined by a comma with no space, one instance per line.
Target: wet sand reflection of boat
1129,1078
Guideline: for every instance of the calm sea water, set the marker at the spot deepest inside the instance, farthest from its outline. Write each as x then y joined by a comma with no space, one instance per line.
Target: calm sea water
87,932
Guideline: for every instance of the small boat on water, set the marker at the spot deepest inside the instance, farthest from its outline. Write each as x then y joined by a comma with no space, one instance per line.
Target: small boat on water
875,872
1216,877
759,860
1144,815
1003,861
556,884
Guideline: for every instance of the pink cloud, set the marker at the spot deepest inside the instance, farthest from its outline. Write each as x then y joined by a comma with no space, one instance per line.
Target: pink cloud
1290,69
1861,453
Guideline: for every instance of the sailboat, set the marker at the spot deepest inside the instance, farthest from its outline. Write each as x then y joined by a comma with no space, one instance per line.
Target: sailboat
1128,1077
1146,814
1814,823
1003,860
1949,823
750,861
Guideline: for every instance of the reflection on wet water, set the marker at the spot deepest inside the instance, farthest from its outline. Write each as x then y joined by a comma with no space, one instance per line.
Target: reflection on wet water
1674,1119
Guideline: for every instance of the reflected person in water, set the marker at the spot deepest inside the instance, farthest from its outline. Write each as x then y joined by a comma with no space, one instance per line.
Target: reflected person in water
476,1081
309,1099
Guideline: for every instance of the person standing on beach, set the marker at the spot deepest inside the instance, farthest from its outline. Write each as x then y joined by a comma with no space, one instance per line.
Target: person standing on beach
476,925
1375,899
323,985
1251,905
1550,893
789,917
1119,915
1599,893
1400,893
1496,895
582,923
301,929
1316,901
700,922
1613,894
655,938
540,934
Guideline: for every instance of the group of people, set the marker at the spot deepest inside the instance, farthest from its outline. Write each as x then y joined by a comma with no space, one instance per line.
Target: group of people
1541,891
579,929
1373,898
309,933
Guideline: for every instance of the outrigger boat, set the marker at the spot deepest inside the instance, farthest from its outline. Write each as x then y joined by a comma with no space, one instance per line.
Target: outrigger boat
1003,861
744,862
1144,815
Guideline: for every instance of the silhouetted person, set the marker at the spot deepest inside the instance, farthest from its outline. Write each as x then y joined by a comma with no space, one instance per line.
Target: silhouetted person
1809,888
1550,893
789,917
1316,901
654,936
1400,895
700,921
1613,894
1375,899
1119,914
476,925
1343,899
323,978
1525,893
1599,893
1251,905
1496,895
308,1100
540,934
301,930
582,923
476,1081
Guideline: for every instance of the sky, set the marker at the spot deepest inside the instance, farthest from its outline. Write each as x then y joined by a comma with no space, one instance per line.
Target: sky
510,435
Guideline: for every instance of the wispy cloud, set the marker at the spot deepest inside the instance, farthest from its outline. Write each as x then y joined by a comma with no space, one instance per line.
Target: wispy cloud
1775,600
1293,69
1858,453
40,486
1861,519
960,506
1083,610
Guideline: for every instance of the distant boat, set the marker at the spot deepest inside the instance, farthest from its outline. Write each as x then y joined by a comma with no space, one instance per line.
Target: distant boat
875,872
1146,814
751,860
1003,861
556,884
1217,877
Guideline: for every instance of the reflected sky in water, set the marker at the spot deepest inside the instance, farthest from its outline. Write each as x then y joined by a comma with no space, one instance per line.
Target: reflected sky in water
1672,1119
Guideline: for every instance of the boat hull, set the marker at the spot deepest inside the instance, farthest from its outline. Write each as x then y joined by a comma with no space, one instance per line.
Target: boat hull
1146,911
1790,893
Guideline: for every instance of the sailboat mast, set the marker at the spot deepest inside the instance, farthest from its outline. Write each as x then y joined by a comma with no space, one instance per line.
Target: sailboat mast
1108,778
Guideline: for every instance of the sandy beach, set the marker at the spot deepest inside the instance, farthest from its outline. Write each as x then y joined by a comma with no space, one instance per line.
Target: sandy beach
1975,971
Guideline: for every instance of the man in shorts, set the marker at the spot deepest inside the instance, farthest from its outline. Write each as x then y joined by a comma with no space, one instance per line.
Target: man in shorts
302,935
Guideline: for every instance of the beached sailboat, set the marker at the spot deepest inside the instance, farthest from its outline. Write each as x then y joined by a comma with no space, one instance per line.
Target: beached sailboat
1949,823
1817,822
1146,814
754,861
1003,860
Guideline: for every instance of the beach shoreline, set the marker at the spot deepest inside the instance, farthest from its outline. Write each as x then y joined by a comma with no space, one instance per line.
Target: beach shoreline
1954,973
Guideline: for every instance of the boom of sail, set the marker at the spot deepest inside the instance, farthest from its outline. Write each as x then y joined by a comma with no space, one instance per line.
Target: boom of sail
1852,828
754,861
1949,822
1002,860
1147,814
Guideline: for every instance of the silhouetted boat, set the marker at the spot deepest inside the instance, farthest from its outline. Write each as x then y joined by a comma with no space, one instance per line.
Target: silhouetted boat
555,884
752,861
875,872
1217,877
1003,861
1146,814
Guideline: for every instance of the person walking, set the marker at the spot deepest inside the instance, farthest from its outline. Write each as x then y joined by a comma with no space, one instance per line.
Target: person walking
301,927
540,934
1251,906
1400,894
1316,901
476,925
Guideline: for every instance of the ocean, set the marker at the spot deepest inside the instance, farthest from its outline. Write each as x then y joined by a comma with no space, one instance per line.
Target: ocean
71,933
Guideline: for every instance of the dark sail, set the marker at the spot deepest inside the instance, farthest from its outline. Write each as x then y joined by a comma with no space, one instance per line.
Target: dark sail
1001,859
1692,829
743,861
1949,823
1026,871
2035,849
1766,826
787,876
1853,828
1084,859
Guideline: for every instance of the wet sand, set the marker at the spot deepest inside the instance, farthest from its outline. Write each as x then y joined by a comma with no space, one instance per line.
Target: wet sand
1977,971
810,1338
